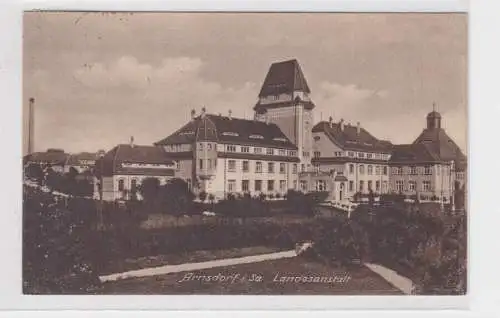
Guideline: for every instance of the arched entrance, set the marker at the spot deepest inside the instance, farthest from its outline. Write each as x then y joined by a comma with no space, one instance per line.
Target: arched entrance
341,191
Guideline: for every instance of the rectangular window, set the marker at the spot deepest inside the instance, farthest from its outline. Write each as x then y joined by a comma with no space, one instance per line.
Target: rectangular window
361,169
302,167
231,148
351,168
121,185
385,171
399,186
231,185
303,185
412,185
350,153
201,163
351,186
370,185
258,167
305,154
282,185
270,185
377,186
270,167
361,186
320,185
426,186
377,170
317,154
361,154
257,150
209,146
245,166
245,149
294,168
282,152
428,170
370,169
369,155
231,165
258,185
200,146
292,153
209,163
282,168
413,170
245,185
270,151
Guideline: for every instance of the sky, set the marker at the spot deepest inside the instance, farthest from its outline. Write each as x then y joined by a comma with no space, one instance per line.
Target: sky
100,78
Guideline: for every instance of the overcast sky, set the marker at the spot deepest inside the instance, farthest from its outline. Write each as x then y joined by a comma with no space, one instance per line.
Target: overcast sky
100,78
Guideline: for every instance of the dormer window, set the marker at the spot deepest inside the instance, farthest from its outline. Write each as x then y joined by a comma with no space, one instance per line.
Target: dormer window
280,139
256,137
230,133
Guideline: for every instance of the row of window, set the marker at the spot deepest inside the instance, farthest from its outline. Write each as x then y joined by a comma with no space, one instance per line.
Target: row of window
352,154
261,150
413,170
258,185
379,170
412,185
134,183
259,167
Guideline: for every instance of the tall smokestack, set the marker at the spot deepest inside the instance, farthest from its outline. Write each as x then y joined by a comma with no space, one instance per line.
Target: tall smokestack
31,126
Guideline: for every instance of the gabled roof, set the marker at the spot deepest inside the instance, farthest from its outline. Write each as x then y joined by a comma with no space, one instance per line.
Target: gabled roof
441,145
284,77
229,130
48,157
75,159
349,139
113,159
413,153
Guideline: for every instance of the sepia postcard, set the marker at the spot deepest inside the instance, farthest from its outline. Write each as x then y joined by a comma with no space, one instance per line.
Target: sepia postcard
178,153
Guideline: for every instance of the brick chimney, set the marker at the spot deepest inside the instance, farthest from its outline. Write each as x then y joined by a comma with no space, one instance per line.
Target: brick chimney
132,141
230,113
342,124
330,121
203,111
358,127
193,113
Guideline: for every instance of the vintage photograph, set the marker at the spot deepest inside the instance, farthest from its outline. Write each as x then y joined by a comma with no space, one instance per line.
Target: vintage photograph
183,153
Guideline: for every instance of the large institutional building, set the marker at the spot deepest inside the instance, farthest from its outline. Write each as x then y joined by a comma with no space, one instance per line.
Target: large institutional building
282,148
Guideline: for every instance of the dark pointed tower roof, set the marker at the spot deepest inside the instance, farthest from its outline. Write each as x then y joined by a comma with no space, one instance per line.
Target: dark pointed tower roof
284,77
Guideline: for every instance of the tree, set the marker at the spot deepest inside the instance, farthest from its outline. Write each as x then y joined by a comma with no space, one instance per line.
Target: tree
177,197
34,171
371,197
150,189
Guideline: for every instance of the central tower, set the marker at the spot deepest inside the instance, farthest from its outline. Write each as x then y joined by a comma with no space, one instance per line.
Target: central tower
284,100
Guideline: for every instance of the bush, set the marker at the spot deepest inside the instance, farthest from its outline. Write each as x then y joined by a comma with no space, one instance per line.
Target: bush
57,246
302,204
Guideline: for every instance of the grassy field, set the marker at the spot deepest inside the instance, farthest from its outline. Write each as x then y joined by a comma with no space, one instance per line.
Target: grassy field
261,279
